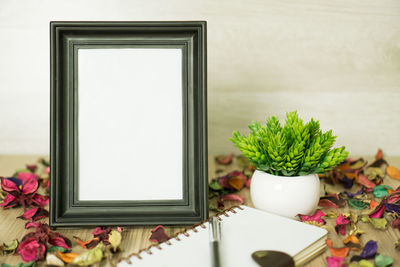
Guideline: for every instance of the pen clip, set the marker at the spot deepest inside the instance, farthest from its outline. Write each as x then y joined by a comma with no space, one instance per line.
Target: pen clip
215,229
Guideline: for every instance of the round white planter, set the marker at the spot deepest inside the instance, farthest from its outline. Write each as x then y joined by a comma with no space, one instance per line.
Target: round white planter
285,196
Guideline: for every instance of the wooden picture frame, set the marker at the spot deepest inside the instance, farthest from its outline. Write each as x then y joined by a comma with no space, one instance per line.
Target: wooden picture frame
70,196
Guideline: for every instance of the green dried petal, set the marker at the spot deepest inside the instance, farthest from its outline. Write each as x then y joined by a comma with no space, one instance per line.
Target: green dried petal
383,261
356,204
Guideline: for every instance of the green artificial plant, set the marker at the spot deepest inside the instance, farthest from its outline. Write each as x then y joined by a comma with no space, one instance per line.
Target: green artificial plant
292,150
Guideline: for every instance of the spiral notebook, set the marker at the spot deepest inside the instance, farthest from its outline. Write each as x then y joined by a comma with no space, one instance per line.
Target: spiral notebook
244,231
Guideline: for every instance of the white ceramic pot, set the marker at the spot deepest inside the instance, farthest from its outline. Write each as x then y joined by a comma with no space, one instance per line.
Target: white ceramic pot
285,196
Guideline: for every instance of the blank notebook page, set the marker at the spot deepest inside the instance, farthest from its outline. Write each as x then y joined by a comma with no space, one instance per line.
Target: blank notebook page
242,233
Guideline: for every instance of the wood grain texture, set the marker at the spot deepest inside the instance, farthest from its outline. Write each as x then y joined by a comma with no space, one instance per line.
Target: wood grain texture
136,238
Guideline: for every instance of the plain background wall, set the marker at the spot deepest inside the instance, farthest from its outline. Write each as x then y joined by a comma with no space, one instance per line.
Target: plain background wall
337,61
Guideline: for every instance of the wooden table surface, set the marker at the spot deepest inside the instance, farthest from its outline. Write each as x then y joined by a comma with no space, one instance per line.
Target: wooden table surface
136,238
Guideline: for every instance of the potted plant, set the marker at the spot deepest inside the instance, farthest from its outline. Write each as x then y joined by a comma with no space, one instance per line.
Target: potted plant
287,161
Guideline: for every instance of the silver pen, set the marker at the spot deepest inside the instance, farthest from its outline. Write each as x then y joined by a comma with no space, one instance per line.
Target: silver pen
215,237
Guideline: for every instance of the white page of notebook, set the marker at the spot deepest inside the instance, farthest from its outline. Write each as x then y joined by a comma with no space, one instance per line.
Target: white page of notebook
242,234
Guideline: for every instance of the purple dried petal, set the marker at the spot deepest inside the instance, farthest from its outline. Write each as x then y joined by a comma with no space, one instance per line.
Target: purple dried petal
347,183
351,195
370,250
393,208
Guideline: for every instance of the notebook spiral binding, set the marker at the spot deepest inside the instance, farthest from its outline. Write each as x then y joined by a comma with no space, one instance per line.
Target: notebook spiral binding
184,232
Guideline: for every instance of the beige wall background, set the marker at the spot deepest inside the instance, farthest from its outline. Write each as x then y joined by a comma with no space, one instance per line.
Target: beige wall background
337,61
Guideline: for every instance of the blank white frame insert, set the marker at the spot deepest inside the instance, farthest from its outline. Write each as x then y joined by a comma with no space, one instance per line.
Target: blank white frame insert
130,124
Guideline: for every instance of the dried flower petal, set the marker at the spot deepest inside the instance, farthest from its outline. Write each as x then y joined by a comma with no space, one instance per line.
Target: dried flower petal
394,197
373,204
9,202
9,248
379,154
224,160
378,223
158,234
362,180
235,175
351,195
236,182
10,185
316,217
53,260
67,257
358,164
393,172
341,223
378,212
59,240
381,191
31,250
34,214
356,204
335,261
337,252
90,257
365,263
115,238
393,208
383,261
31,167
30,186
25,176
352,241
396,223
233,197
87,244
248,183
331,201
54,249
40,200
369,250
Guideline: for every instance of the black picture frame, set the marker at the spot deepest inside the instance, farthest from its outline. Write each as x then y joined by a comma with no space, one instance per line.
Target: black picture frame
66,210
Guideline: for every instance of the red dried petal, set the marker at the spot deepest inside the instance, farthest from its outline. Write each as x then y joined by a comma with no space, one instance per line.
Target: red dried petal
158,234
225,160
326,203
248,183
30,186
316,217
396,223
56,235
32,167
341,223
40,200
362,180
59,242
335,261
379,154
34,214
8,186
32,224
9,201
31,250
233,197
331,201
378,212
25,176
394,197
